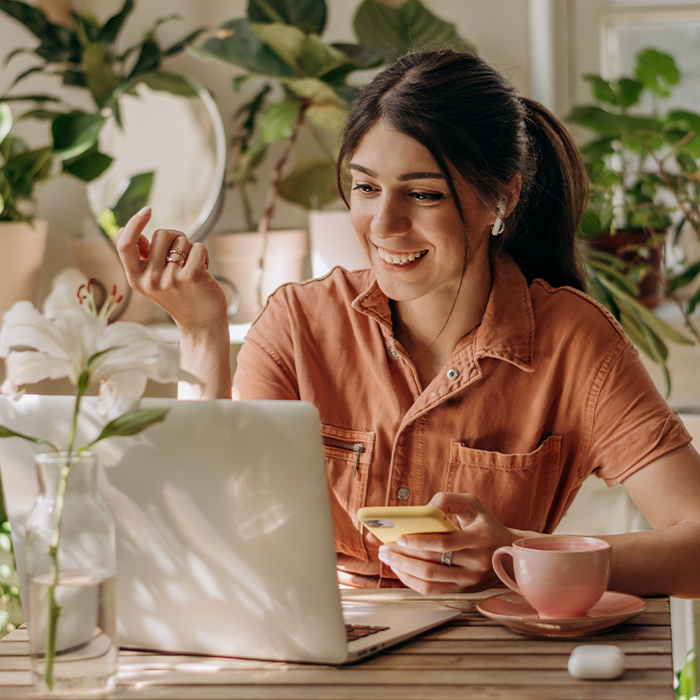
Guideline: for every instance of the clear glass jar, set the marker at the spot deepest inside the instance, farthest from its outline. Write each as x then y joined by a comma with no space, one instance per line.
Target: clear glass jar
71,566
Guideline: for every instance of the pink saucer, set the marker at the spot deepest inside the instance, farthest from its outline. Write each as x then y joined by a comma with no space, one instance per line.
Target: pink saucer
513,611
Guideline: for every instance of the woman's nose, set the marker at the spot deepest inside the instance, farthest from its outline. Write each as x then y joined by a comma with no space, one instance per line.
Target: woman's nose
389,219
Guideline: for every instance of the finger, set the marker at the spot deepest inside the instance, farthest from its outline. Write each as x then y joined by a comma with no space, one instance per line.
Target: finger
420,568
464,505
434,542
162,242
128,243
198,258
428,587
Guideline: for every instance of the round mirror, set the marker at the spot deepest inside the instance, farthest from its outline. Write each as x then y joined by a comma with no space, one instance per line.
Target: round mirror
169,153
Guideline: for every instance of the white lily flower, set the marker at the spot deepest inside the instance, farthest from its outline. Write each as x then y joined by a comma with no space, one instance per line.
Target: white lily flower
68,340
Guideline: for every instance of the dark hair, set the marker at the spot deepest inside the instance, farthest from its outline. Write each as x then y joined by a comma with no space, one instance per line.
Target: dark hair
468,116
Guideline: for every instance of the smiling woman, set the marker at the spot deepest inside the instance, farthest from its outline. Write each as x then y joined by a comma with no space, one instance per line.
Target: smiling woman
466,369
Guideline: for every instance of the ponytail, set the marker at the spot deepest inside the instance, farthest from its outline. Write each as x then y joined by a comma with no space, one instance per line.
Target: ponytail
542,239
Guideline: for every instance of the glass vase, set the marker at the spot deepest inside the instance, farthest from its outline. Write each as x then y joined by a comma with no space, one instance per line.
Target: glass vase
71,566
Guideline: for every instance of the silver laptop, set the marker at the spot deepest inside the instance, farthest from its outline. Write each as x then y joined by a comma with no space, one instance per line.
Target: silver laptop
224,531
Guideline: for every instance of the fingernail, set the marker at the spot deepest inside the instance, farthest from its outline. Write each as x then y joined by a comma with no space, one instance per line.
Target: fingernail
120,231
401,541
383,556
145,211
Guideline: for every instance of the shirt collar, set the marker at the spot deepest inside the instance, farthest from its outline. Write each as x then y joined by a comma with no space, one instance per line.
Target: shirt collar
507,330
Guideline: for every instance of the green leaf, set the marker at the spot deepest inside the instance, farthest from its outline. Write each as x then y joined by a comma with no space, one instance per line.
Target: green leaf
75,133
602,90
307,15
629,91
7,433
28,163
170,82
131,423
40,114
278,121
5,571
34,20
114,24
285,41
395,31
5,542
317,59
326,116
183,43
684,278
135,197
657,71
99,74
5,120
148,60
693,303
88,166
311,183
236,43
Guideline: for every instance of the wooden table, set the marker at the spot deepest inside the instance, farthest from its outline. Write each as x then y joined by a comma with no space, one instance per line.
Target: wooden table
471,658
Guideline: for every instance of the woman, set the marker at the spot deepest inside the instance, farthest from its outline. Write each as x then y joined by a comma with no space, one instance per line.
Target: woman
466,368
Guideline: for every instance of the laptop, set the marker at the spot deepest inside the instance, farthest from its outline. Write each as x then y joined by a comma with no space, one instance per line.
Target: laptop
224,532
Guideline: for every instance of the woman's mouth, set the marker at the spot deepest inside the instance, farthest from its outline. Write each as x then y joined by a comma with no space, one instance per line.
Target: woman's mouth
399,258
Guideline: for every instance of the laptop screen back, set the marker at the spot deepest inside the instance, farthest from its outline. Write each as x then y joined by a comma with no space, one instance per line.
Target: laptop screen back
224,531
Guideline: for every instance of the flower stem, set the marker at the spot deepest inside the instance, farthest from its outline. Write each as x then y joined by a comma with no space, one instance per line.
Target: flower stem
54,609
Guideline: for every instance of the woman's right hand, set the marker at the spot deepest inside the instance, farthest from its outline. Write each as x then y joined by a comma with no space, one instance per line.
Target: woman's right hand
188,292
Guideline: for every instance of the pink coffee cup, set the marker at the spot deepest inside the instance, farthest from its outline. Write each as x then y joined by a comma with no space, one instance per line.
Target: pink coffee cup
561,576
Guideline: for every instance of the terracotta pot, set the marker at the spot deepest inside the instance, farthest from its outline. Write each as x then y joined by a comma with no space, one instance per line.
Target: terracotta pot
624,245
334,242
21,256
97,259
236,255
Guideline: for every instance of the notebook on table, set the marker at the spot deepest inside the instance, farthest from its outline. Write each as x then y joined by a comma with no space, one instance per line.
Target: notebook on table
224,532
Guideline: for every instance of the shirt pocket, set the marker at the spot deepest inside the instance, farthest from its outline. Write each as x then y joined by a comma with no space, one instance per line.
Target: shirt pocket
517,488
348,456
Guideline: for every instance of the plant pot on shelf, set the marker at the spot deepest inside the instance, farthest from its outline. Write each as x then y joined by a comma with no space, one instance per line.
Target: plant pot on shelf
21,256
236,257
334,242
97,259
625,245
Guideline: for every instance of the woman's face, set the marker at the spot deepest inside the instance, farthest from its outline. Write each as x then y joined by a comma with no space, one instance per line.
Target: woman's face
407,223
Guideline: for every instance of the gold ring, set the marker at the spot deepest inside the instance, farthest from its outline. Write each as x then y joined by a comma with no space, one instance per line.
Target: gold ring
179,262
178,250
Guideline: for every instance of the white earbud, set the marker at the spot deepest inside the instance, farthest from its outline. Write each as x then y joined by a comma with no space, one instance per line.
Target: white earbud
498,223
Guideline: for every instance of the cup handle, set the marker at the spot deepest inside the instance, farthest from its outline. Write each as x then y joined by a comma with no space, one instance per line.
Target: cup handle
500,571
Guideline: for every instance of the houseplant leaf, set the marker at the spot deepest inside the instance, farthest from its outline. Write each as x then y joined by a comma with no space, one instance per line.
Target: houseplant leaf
89,165
113,25
657,71
130,423
311,183
173,83
307,15
278,121
237,44
285,41
74,133
99,73
134,197
396,30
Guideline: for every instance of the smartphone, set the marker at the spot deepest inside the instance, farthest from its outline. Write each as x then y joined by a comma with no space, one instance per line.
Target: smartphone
388,523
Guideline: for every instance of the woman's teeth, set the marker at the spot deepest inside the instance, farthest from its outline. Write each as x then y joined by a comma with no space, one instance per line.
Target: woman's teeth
399,259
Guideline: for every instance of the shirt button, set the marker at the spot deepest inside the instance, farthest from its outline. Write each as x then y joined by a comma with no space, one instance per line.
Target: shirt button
403,494
393,352
452,374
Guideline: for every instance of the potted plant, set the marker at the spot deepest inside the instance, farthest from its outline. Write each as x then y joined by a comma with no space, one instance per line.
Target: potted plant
85,53
632,207
301,86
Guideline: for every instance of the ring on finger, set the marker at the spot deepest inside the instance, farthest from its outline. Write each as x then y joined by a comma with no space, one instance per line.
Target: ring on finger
176,251
446,559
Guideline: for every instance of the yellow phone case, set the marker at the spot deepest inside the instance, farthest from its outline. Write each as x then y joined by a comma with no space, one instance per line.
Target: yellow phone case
388,523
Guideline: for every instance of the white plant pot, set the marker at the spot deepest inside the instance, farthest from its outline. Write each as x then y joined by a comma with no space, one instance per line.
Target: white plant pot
97,259
236,257
21,256
334,242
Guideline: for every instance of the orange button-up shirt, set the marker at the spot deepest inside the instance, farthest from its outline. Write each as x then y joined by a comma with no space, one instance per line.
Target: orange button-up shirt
546,391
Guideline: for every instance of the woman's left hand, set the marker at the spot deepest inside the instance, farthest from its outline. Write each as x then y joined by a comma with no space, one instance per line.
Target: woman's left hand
417,559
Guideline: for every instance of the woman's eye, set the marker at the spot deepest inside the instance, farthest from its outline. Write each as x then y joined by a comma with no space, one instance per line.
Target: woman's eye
361,187
427,196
